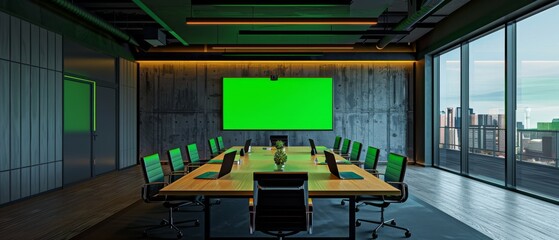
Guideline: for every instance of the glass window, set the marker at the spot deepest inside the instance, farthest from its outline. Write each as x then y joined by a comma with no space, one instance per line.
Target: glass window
449,112
537,109
486,138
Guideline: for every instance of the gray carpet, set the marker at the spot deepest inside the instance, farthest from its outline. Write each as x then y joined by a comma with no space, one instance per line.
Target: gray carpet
230,218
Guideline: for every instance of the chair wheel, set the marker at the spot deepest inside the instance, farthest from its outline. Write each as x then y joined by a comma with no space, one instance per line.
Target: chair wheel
356,209
357,223
342,203
408,234
393,222
179,235
374,235
163,223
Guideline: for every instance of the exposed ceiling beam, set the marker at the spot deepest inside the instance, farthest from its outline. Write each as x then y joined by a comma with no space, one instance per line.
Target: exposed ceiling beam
271,2
281,21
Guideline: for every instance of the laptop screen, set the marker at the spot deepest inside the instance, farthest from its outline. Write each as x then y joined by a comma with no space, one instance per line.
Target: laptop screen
247,145
331,161
313,147
227,164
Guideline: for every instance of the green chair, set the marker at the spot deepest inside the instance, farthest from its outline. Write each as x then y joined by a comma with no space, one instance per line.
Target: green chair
220,144
176,163
155,181
371,162
193,157
214,151
345,147
394,175
355,152
337,143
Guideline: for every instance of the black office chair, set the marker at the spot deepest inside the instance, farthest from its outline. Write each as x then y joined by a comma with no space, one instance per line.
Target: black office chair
155,181
281,206
275,138
370,164
394,175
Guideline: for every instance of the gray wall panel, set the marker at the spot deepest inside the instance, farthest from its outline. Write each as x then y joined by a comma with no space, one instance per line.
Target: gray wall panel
15,39
15,115
35,117
43,174
58,53
51,139
35,180
4,36
25,115
25,182
58,116
43,49
15,184
43,113
4,187
35,44
127,114
58,174
4,115
51,179
25,43
51,48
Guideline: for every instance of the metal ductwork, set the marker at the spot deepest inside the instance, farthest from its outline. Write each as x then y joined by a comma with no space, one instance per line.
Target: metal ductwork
410,21
93,20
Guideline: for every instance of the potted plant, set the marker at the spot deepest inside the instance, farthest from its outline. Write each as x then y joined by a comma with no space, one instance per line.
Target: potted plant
280,157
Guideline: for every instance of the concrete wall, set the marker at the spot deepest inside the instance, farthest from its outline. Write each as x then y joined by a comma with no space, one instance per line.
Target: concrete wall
180,103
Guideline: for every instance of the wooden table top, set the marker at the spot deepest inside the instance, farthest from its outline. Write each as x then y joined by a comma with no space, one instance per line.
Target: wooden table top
240,183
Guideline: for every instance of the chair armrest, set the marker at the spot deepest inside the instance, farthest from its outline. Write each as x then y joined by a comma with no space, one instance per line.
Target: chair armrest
145,189
403,187
357,162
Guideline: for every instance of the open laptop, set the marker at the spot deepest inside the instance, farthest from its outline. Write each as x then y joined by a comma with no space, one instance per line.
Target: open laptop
313,147
247,145
225,169
333,167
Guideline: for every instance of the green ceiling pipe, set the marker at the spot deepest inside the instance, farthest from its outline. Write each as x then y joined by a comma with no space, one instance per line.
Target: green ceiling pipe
93,20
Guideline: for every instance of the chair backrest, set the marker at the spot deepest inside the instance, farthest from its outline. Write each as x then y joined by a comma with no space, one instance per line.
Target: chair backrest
395,168
213,147
275,138
153,172
175,159
371,160
192,152
345,146
281,201
337,143
220,144
356,151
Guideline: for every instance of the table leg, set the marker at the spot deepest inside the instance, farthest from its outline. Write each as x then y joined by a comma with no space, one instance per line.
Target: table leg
207,214
352,217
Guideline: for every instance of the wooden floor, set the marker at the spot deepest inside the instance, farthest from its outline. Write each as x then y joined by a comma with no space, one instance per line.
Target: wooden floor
496,212
62,214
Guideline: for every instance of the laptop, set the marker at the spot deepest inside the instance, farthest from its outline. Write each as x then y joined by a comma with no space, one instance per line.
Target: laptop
313,147
247,145
225,169
333,167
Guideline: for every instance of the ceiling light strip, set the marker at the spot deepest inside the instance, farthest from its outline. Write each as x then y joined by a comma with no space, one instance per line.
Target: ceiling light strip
281,21
279,48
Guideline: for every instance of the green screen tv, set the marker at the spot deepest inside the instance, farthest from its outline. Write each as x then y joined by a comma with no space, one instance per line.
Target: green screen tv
282,104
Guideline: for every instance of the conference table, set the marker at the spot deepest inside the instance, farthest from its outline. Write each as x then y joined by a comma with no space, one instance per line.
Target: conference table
239,183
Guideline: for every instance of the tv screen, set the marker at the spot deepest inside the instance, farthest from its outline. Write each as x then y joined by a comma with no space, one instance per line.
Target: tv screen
282,104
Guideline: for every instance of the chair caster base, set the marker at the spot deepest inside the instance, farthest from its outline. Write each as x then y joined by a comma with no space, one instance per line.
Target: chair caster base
407,234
